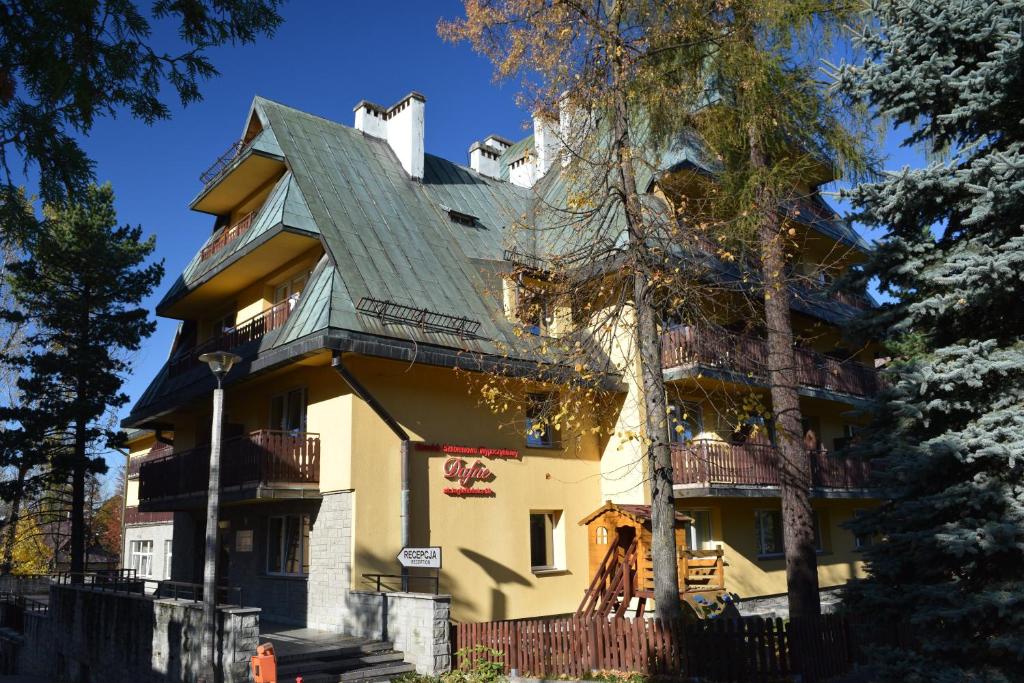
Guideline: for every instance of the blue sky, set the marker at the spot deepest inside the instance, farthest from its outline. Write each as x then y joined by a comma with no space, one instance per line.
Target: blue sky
324,59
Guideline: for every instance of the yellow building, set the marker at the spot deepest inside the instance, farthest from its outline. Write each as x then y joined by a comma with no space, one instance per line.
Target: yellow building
364,285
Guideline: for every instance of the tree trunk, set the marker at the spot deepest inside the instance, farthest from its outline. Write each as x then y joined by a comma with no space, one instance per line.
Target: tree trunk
78,503
794,461
11,538
652,380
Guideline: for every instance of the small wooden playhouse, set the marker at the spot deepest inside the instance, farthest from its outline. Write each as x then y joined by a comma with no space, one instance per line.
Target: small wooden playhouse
621,569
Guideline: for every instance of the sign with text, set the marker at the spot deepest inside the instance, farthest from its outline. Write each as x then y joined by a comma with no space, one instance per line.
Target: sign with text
428,558
482,451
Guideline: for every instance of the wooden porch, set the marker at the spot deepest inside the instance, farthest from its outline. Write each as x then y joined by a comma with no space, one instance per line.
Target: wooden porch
621,566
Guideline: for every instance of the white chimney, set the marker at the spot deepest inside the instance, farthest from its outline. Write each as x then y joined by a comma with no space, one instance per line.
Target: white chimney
574,124
497,142
405,132
523,171
401,125
545,141
370,119
484,160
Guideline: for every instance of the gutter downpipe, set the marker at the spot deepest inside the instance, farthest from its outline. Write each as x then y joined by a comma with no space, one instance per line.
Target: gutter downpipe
338,363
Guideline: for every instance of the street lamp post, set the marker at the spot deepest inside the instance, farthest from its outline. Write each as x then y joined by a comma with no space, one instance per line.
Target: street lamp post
220,363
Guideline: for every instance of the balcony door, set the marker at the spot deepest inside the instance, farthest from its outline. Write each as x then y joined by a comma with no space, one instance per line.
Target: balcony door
290,290
288,411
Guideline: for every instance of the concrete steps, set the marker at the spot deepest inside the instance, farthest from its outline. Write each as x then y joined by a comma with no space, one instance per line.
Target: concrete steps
373,661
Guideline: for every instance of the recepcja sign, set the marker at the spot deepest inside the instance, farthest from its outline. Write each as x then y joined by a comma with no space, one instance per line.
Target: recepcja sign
428,558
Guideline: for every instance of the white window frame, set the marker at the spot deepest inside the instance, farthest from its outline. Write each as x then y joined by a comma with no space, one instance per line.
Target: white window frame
139,559
168,555
691,531
554,541
305,526
290,290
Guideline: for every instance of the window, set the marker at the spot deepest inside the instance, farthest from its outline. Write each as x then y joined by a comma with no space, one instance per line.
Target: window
168,549
862,540
755,428
547,540
849,432
601,535
811,428
288,411
684,421
223,324
140,557
290,290
288,545
769,532
698,532
539,408
534,312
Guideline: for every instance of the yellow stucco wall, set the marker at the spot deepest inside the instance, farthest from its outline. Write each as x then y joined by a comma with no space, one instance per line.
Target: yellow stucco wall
485,540
733,525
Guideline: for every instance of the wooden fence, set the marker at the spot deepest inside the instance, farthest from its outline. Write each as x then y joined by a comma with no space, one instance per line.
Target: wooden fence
748,649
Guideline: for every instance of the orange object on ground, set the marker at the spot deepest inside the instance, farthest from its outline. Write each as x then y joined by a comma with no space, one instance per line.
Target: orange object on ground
264,664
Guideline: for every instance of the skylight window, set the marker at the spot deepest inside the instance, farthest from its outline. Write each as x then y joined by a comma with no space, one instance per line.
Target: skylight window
461,218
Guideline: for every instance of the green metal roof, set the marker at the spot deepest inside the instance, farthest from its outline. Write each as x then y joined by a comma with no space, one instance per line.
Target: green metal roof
389,237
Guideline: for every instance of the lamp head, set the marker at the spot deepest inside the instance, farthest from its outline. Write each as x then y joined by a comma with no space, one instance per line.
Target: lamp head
220,362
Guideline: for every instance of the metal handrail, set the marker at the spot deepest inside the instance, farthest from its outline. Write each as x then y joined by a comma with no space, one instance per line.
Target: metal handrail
378,577
223,161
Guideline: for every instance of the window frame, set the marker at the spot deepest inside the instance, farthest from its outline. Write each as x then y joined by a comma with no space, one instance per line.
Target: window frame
709,542
858,544
547,439
303,555
819,535
137,558
284,397
677,410
168,558
554,541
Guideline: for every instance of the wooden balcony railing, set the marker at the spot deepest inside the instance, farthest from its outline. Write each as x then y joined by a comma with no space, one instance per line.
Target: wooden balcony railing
132,515
227,236
693,345
223,161
160,450
261,457
244,332
707,462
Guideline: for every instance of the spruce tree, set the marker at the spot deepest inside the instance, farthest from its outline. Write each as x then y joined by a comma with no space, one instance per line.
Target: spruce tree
947,562
79,286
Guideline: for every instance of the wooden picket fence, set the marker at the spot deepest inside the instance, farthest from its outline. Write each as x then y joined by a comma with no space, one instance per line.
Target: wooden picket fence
748,649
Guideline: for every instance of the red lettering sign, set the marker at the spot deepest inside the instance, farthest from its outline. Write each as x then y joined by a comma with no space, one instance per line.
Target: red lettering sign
456,468
454,449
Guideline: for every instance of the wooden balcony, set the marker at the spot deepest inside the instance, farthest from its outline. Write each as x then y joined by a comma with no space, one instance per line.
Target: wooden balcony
710,463
244,332
159,450
227,236
223,161
264,458
748,356
133,516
